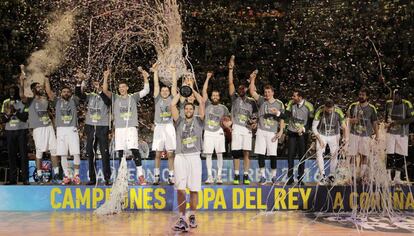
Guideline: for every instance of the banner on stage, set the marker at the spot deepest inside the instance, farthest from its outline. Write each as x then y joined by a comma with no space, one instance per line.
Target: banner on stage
226,197
311,171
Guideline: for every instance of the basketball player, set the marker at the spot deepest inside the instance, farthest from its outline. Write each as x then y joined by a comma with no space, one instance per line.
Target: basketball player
67,132
329,120
363,122
242,109
164,133
399,114
43,132
126,119
270,128
214,139
187,163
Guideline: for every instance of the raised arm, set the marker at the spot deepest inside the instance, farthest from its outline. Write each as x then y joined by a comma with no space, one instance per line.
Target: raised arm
344,133
50,94
79,89
105,87
205,86
175,113
174,80
252,86
21,85
232,89
154,69
146,88
201,104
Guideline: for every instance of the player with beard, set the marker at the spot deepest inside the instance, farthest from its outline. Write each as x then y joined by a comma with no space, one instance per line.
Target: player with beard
399,115
214,139
300,113
242,109
126,119
363,122
43,132
97,122
14,113
329,120
270,130
187,163
67,132
164,132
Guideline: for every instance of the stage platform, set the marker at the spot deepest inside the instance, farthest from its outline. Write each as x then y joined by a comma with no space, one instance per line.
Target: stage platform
211,198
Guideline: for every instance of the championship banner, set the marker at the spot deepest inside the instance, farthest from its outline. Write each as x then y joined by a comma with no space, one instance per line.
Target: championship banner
311,171
211,198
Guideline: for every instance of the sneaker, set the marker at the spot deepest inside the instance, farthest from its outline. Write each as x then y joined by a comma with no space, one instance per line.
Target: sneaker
331,179
108,183
301,183
36,178
274,180
171,180
192,221
219,180
91,182
56,180
209,180
236,180
246,180
66,180
76,180
262,180
142,181
43,179
156,180
323,180
181,225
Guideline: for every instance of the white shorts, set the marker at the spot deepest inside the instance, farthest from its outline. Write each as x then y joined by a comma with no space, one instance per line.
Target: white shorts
126,138
67,141
331,141
397,144
45,139
264,144
214,141
358,145
164,138
187,170
241,138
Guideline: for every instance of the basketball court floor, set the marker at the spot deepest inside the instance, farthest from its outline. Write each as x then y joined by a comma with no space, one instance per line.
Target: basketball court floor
159,223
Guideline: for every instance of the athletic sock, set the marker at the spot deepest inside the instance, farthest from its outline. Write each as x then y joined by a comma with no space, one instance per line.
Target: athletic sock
139,171
262,172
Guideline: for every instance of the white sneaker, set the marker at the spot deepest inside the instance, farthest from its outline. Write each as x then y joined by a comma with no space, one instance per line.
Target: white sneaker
209,180
181,225
192,221
219,180
322,181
